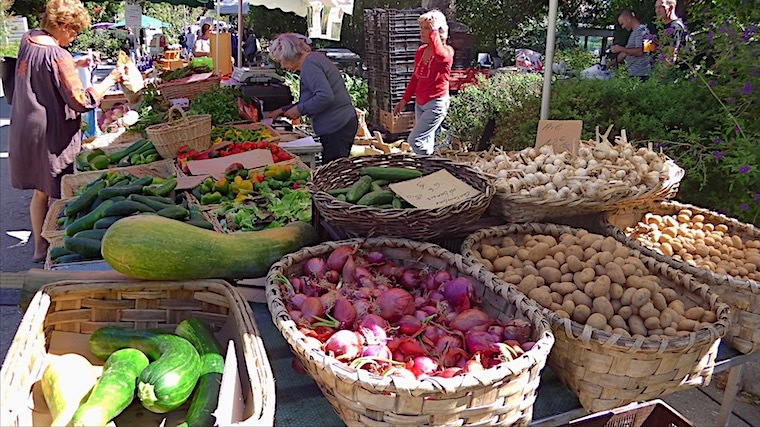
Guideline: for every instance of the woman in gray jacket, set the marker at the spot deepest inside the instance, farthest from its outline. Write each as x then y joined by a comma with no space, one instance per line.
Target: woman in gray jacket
323,96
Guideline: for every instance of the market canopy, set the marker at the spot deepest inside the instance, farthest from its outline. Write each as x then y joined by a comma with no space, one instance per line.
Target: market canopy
299,7
145,22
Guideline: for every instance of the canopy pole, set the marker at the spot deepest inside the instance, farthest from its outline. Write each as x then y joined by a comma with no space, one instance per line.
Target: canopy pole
550,35
240,34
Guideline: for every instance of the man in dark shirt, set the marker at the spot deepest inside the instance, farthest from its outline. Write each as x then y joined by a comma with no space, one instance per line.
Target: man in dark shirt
675,30
131,41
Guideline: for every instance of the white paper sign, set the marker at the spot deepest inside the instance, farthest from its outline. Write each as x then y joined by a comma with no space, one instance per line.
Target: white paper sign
435,190
132,14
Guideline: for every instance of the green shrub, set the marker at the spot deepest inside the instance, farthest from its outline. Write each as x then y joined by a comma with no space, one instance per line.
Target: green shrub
576,59
9,49
101,41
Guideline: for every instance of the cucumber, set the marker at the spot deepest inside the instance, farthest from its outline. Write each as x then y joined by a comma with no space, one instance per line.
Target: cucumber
174,212
146,180
396,203
115,389
87,248
126,207
341,197
358,189
145,200
390,174
161,190
164,200
58,252
338,191
84,200
67,259
377,198
380,182
88,221
206,397
124,190
115,157
106,221
169,380
91,234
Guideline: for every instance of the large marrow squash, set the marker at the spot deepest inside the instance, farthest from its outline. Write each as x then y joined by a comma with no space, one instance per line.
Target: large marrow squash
157,248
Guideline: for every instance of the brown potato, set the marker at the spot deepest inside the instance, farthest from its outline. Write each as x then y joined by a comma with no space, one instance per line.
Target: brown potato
489,252
601,287
602,305
512,278
550,274
652,323
563,288
596,320
568,305
625,312
541,296
622,331
581,313
627,296
502,263
538,252
694,313
575,250
609,244
615,273
647,310
616,291
507,241
617,321
528,284
709,317
574,263
636,325
508,251
580,298
562,313
641,297
659,301
557,297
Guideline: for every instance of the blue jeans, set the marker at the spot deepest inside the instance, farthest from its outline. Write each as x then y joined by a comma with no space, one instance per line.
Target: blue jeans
428,119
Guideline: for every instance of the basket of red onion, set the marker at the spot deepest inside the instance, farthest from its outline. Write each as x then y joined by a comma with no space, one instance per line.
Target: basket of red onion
397,332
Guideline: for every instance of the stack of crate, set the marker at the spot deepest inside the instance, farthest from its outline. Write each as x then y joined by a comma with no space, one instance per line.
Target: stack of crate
392,36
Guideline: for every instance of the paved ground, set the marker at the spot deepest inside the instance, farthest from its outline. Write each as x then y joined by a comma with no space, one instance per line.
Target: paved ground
701,406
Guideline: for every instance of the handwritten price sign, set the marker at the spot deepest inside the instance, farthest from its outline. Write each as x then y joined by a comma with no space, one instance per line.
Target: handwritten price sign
562,135
435,190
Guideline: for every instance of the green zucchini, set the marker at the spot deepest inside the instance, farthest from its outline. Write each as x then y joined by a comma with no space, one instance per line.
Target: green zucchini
125,191
161,190
115,389
389,173
147,201
115,157
380,197
358,189
174,212
106,221
206,397
86,247
341,197
169,380
126,207
69,258
146,180
58,252
88,221
396,203
96,234
84,200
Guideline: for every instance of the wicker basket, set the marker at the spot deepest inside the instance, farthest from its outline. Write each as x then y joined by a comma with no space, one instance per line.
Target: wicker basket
741,295
187,90
50,228
608,370
502,395
192,131
161,169
69,311
108,151
420,224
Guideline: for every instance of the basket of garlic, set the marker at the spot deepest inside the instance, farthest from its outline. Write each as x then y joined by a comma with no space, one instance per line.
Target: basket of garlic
538,184
719,250
627,327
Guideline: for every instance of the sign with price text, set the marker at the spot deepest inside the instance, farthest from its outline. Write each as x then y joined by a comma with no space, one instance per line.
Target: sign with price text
435,190
562,135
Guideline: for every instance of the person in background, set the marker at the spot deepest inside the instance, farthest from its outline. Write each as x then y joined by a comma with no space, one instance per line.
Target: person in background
189,40
429,83
323,96
234,46
636,60
131,42
675,30
48,101
202,46
250,49
182,41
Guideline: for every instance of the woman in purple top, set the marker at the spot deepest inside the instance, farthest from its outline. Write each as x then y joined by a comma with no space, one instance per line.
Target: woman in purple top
44,135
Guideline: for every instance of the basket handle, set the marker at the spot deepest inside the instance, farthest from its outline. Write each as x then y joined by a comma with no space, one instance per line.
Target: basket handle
172,110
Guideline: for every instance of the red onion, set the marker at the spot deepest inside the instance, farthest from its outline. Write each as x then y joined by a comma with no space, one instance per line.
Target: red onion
349,271
296,300
496,330
459,292
344,312
469,319
410,279
408,324
338,257
518,329
411,347
429,310
432,333
479,342
435,296
526,346
367,282
373,327
329,298
450,372
316,267
343,345
362,272
333,276
364,293
375,257
419,314
296,283
473,365
401,373
362,307
391,270
423,366
295,315
312,306
429,282
377,350
441,277
447,342
395,303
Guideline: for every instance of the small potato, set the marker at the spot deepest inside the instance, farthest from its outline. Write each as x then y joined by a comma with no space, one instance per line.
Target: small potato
563,288
562,313
568,305
666,249
694,313
575,250
488,265
709,317
554,307
598,269
512,278
666,318
517,262
652,323
603,306
588,239
584,276
489,252
529,269
502,263
616,305
508,251
671,332
550,274
588,253
609,244
558,248
641,297
625,312
621,252
557,297
688,325
615,273
538,252
579,298
636,325
677,306
602,287
628,270
567,277
617,321
659,301
596,245
528,284
547,262
574,263
669,294
522,254
597,320
560,258
616,291
581,313
621,331
589,289
507,242
541,296
647,310
627,296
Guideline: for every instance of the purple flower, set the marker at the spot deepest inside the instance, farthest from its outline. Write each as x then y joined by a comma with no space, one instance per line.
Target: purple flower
756,196
730,100
717,154
747,89
744,169
693,80
737,128
718,141
744,206
712,83
662,58
669,31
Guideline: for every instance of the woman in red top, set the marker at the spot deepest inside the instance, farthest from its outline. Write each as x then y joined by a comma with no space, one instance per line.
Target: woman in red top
430,82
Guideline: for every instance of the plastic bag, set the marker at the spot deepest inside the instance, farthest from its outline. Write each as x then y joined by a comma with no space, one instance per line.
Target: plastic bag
132,80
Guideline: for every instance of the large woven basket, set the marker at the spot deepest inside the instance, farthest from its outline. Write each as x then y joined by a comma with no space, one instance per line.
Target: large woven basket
192,131
608,370
502,395
187,90
420,224
71,183
70,311
50,228
741,295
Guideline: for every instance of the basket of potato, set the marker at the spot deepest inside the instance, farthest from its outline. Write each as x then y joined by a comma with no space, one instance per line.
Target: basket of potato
721,251
627,327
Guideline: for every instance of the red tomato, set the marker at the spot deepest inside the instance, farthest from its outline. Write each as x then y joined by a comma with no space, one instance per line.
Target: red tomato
247,146
274,148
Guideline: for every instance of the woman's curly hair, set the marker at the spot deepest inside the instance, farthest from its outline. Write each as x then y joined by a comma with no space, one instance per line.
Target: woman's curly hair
70,12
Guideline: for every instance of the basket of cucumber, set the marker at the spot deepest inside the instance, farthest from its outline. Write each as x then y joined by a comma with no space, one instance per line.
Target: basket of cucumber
354,196
212,369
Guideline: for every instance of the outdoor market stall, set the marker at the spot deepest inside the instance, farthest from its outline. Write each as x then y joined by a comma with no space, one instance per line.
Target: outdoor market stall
392,328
